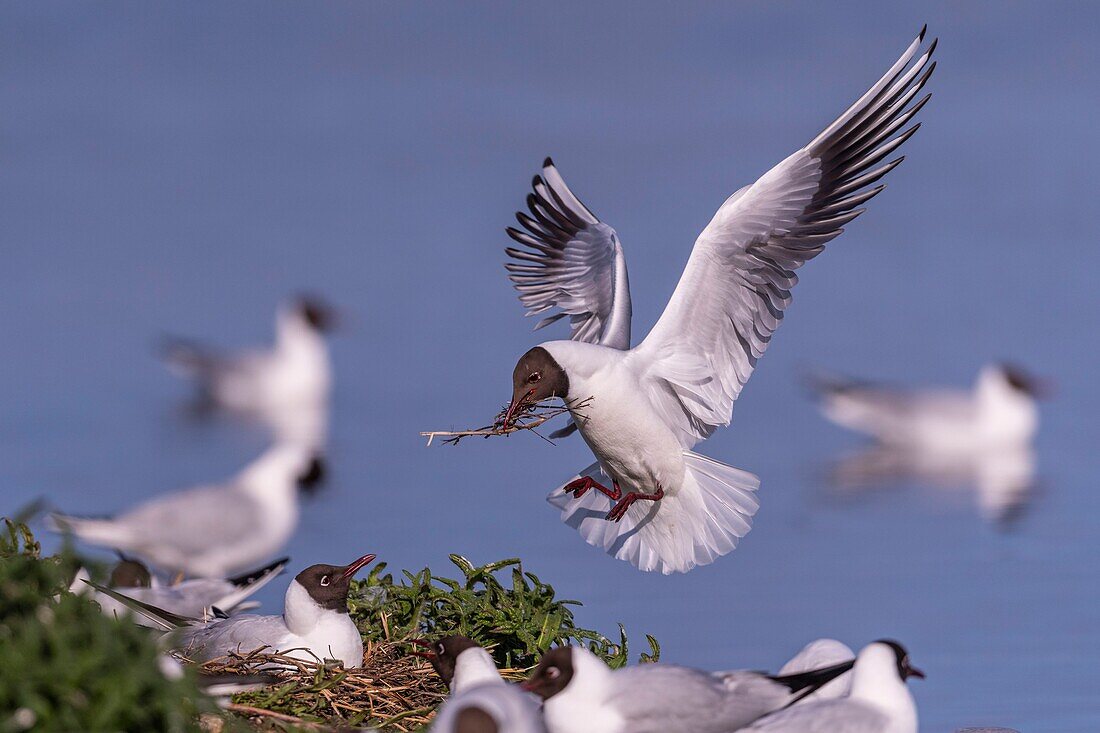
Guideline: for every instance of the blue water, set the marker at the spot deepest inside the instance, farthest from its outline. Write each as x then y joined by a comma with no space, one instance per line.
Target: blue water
182,167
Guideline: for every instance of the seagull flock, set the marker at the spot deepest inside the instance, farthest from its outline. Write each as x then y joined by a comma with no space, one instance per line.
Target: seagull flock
191,560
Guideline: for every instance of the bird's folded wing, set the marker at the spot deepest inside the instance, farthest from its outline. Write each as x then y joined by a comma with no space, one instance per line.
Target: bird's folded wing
738,280
570,261
826,716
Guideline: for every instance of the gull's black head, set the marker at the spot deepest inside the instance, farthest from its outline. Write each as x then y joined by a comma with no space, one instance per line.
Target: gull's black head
443,654
1025,382
316,312
905,669
536,377
553,674
130,574
328,585
313,476
475,720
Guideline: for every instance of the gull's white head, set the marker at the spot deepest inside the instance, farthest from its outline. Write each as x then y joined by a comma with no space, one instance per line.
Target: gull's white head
878,679
306,313
575,685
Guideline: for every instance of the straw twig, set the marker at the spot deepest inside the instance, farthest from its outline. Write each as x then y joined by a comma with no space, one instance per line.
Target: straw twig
528,417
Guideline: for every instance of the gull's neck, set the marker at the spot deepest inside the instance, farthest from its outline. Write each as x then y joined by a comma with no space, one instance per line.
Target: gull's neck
584,703
474,666
302,614
875,682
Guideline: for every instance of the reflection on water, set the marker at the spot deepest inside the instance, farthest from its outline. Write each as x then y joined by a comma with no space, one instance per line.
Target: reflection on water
1002,479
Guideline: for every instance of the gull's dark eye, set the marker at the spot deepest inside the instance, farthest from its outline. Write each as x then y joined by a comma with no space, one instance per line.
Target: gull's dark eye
442,649
553,672
324,580
535,376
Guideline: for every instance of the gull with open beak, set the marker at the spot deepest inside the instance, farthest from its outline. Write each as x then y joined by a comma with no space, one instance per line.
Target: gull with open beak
649,499
314,624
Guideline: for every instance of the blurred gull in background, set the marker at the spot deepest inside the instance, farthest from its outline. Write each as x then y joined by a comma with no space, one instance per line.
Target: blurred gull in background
981,438
198,597
284,388
295,370
210,531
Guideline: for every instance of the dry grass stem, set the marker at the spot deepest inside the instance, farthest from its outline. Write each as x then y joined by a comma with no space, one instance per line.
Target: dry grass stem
528,418
393,691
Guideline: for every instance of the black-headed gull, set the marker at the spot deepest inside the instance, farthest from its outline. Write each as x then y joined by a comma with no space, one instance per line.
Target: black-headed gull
314,624
1000,410
212,531
460,662
295,371
197,597
879,702
583,695
641,409
480,700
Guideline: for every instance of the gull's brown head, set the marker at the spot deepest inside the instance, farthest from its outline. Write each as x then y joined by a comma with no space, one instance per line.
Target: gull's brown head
536,377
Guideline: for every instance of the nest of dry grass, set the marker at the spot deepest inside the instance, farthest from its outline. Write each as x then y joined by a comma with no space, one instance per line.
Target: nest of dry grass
393,691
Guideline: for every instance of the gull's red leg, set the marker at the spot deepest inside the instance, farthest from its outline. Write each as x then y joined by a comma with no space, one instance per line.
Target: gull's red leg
619,510
580,487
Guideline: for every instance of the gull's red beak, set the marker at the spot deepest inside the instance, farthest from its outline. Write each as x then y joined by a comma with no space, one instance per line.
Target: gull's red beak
356,566
518,402
528,685
429,655
914,672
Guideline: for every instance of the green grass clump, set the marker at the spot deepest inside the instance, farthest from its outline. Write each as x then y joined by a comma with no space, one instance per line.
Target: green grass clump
518,623
65,666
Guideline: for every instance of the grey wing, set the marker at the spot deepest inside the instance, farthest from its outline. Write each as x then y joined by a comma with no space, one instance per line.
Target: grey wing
659,698
190,521
238,635
571,261
737,282
827,716
190,598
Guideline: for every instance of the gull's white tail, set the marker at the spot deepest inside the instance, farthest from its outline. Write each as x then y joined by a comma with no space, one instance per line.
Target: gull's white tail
106,532
693,526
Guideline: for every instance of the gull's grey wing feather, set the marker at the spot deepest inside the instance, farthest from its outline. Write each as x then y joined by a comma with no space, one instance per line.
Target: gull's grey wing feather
239,635
842,715
658,698
189,598
189,520
738,280
570,261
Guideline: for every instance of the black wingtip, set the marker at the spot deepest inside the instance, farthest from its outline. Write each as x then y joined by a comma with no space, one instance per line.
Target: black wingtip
253,575
932,48
923,31
814,678
548,163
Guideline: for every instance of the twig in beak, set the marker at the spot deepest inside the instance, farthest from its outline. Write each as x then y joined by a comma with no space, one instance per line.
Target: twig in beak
526,416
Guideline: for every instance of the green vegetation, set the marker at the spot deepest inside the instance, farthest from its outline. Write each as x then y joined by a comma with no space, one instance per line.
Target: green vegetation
518,624
65,666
